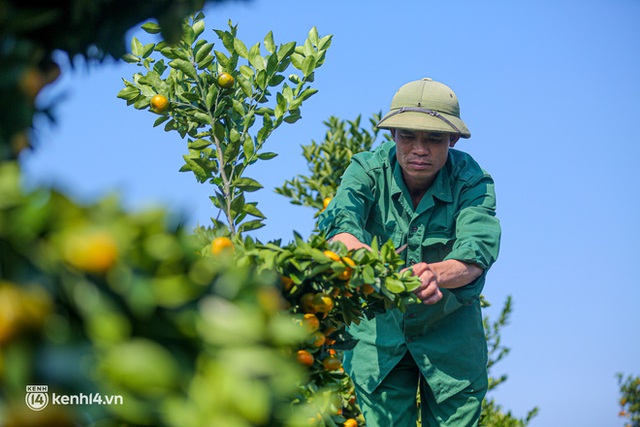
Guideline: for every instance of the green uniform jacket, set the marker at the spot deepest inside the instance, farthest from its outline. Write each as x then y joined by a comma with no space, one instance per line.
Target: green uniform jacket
454,220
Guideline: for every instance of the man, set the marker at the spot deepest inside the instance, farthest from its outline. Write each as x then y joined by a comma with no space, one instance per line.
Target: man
420,192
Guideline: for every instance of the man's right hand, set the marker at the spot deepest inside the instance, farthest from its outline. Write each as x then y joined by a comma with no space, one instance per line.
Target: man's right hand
349,240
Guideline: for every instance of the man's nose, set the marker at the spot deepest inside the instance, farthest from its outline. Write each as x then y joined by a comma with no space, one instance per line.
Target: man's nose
423,147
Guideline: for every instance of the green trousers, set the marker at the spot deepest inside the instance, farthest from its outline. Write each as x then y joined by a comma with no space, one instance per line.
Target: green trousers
394,402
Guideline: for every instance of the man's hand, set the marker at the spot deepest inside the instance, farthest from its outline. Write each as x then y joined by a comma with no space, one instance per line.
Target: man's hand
429,291
349,240
449,274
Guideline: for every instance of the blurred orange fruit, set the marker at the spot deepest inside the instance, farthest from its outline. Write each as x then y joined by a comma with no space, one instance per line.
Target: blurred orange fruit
332,255
332,363
367,289
221,244
311,322
93,252
317,339
323,303
304,357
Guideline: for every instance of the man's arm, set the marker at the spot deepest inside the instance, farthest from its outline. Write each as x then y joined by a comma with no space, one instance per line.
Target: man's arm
448,274
349,240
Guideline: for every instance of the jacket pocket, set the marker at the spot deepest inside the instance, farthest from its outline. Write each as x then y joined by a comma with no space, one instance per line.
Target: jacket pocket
436,246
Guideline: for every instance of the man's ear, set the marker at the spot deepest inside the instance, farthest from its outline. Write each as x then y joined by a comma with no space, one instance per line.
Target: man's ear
453,139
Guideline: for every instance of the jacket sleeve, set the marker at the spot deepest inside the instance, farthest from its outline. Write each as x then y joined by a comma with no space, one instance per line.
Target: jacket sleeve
349,209
478,233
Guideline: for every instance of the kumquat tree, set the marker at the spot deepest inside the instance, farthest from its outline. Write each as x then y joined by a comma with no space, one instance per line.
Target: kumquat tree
176,327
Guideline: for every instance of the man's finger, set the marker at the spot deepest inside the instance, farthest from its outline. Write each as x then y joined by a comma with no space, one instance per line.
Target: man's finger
420,268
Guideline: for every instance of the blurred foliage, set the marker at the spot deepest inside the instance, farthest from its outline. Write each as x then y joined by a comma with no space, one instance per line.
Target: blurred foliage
185,339
630,399
32,30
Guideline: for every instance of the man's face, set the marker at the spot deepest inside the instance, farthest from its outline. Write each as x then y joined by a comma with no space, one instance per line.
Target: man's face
422,154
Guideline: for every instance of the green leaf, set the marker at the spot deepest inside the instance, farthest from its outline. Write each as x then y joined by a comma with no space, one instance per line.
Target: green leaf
129,93
308,49
261,79
268,42
199,172
267,155
247,184
248,148
308,92
185,66
247,72
286,50
199,144
313,36
308,65
325,42
188,35
129,58
238,107
255,59
189,96
251,225
394,285
203,52
210,97
151,28
159,67
161,120
201,117
205,62
245,84
136,47
276,80
292,118
147,49
297,61
251,209
198,28
222,59
234,136
240,48
272,64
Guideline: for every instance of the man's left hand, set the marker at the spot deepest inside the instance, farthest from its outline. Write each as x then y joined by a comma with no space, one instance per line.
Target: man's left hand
429,291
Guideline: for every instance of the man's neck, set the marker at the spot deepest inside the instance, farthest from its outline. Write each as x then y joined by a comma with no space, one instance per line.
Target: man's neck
417,189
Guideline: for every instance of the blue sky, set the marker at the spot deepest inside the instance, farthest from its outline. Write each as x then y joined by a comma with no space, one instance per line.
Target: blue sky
551,94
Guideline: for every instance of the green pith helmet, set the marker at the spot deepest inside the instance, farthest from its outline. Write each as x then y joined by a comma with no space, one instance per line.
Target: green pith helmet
425,105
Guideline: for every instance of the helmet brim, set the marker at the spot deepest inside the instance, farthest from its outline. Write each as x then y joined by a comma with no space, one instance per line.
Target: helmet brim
418,121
